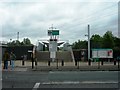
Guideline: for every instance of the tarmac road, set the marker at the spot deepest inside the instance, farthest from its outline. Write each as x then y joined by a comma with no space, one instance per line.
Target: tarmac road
60,79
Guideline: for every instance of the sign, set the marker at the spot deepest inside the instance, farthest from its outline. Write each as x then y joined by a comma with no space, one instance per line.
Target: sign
52,54
53,46
53,32
102,53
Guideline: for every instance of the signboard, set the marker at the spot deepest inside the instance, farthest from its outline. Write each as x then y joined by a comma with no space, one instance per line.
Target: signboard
52,54
53,32
102,53
53,46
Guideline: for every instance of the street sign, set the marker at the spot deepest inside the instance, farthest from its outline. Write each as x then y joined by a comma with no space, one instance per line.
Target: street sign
55,32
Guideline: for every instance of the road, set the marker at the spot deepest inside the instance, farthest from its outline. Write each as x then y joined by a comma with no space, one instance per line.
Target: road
60,79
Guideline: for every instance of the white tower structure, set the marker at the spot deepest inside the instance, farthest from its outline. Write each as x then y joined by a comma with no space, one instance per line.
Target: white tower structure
54,35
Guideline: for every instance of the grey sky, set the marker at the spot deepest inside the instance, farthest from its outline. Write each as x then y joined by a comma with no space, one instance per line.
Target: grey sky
32,18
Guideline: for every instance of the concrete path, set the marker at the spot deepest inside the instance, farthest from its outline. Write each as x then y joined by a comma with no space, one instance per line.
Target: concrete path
68,66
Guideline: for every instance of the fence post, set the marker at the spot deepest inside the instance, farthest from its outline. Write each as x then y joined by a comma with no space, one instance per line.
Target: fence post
48,62
118,59
114,61
78,64
62,62
89,62
75,63
98,63
10,62
57,63
32,61
118,64
35,61
23,62
101,61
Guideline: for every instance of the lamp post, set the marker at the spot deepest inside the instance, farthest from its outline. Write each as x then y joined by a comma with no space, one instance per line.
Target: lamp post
88,35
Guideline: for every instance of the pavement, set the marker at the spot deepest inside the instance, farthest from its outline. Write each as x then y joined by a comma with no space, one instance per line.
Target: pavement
68,66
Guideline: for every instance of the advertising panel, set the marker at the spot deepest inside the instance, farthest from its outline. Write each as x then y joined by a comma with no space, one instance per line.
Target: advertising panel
102,53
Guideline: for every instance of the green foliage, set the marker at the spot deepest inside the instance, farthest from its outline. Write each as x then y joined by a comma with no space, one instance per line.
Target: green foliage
96,41
25,42
108,40
79,45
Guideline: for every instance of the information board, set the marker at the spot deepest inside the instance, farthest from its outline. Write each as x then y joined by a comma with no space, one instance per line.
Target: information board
102,53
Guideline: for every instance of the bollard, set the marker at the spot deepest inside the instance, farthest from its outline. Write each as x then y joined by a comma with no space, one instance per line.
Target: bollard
35,61
78,64
114,62
57,63
75,63
32,60
48,62
10,62
89,62
118,64
98,64
23,62
101,62
62,63
32,64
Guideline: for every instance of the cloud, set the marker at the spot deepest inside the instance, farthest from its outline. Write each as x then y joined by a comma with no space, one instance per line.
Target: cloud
32,19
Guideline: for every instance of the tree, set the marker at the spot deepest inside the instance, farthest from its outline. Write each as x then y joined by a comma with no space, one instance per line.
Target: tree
26,41
14,43
96,41
108,40
117,42
17,42
79,45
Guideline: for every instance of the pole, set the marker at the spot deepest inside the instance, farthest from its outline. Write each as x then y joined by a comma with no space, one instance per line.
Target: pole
18,36
89,45
88,42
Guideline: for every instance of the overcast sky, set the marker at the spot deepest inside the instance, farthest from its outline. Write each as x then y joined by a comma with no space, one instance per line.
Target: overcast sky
32,18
